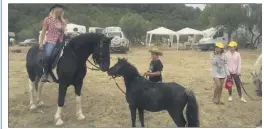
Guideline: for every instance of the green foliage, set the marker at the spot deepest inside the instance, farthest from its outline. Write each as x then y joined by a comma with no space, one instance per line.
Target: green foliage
229,15
27,18
134,26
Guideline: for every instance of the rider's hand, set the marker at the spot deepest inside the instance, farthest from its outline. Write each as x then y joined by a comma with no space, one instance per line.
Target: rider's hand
41,46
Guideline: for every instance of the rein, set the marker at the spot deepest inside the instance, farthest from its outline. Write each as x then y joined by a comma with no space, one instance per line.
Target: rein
98,69
118,85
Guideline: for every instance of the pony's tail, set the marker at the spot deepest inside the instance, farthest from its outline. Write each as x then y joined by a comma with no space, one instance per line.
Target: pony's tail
192,111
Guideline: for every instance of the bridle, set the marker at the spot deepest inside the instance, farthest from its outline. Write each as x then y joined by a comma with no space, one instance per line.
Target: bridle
113,77
97,68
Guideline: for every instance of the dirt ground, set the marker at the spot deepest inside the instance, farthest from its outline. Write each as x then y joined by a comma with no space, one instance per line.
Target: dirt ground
104,105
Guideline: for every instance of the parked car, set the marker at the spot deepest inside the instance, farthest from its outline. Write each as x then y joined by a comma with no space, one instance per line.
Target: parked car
119,43
28,42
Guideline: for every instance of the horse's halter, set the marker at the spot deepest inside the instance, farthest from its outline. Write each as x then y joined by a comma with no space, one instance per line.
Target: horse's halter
96,62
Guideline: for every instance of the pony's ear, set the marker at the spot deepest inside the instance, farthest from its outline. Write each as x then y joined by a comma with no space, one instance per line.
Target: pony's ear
125,59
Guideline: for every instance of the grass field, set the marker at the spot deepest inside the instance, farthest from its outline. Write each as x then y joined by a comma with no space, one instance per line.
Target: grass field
104,105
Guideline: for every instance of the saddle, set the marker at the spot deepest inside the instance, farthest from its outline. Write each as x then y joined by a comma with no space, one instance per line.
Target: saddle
54,59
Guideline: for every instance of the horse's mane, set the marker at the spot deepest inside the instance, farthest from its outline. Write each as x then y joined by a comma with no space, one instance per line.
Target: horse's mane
85,38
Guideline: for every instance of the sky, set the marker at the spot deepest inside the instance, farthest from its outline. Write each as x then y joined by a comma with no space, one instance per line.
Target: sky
201,6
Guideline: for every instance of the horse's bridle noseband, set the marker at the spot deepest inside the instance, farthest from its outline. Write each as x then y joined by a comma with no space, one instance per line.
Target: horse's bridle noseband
97,68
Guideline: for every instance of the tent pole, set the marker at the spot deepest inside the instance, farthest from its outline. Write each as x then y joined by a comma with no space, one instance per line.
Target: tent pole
178,38
146,39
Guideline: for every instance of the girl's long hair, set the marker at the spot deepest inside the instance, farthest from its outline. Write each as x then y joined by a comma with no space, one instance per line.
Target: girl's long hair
53,14
222,51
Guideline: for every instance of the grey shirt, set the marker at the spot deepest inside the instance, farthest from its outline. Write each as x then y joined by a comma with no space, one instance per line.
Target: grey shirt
219,66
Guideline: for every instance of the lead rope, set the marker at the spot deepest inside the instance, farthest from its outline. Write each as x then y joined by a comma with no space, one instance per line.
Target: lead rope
247,93
118,85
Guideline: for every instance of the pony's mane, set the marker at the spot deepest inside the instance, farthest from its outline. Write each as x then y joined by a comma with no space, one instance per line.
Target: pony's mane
130,67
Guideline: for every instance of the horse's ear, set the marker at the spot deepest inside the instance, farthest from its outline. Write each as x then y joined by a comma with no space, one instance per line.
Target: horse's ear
108,39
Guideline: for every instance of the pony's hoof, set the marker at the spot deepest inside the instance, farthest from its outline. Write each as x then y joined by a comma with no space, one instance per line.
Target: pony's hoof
41,103
81,117
32,107
59,122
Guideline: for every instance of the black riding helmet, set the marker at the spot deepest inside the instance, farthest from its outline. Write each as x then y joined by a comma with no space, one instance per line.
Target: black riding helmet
57,6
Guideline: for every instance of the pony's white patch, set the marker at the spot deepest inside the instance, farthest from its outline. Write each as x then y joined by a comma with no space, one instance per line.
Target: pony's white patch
79,113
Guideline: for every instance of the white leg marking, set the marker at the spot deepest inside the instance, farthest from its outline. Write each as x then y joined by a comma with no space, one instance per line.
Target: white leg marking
58,116
31,94
39,93
50,78
79,113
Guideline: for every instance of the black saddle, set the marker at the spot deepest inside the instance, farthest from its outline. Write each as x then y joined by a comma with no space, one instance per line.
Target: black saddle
54,56
54,59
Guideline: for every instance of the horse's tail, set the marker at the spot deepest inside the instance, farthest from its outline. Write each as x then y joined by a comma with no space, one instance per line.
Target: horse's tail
192,111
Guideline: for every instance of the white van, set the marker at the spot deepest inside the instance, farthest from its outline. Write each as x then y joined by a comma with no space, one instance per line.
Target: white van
119,41
95,30
211,37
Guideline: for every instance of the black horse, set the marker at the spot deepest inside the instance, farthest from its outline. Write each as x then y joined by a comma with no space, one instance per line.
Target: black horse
142,94
70,66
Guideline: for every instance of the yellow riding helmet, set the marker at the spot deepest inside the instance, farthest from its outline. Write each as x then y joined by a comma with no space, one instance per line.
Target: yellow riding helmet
232,44
219,45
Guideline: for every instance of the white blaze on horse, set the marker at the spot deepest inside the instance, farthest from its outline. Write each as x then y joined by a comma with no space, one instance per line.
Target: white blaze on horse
70,62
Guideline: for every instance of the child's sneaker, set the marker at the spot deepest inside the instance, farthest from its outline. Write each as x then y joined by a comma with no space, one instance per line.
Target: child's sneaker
243,100
230,98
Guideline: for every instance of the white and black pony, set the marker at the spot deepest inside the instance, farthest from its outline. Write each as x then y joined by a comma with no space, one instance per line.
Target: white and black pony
142,94
70,62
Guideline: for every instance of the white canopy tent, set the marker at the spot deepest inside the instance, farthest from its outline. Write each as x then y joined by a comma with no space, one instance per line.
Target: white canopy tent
187,31
159,31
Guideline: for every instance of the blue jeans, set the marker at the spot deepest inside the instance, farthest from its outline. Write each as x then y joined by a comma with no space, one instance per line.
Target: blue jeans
48,49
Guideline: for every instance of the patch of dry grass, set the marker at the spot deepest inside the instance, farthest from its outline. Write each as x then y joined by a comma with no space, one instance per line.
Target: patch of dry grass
105,106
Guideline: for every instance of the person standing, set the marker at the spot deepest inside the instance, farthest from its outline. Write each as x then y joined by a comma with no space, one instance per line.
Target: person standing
156,66
55,26
219,71
234,67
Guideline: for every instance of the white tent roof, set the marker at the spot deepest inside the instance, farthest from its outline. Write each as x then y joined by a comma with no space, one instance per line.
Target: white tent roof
162,31
187,31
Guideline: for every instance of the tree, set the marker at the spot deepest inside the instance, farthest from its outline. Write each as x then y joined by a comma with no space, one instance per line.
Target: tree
254,21
134,26
173,16
228,15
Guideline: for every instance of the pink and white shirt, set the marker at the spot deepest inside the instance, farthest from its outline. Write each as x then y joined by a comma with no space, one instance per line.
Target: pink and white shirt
233,62
55,29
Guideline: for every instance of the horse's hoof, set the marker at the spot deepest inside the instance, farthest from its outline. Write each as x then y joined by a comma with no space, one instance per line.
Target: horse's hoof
59,122
41,103
32,107
81,117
